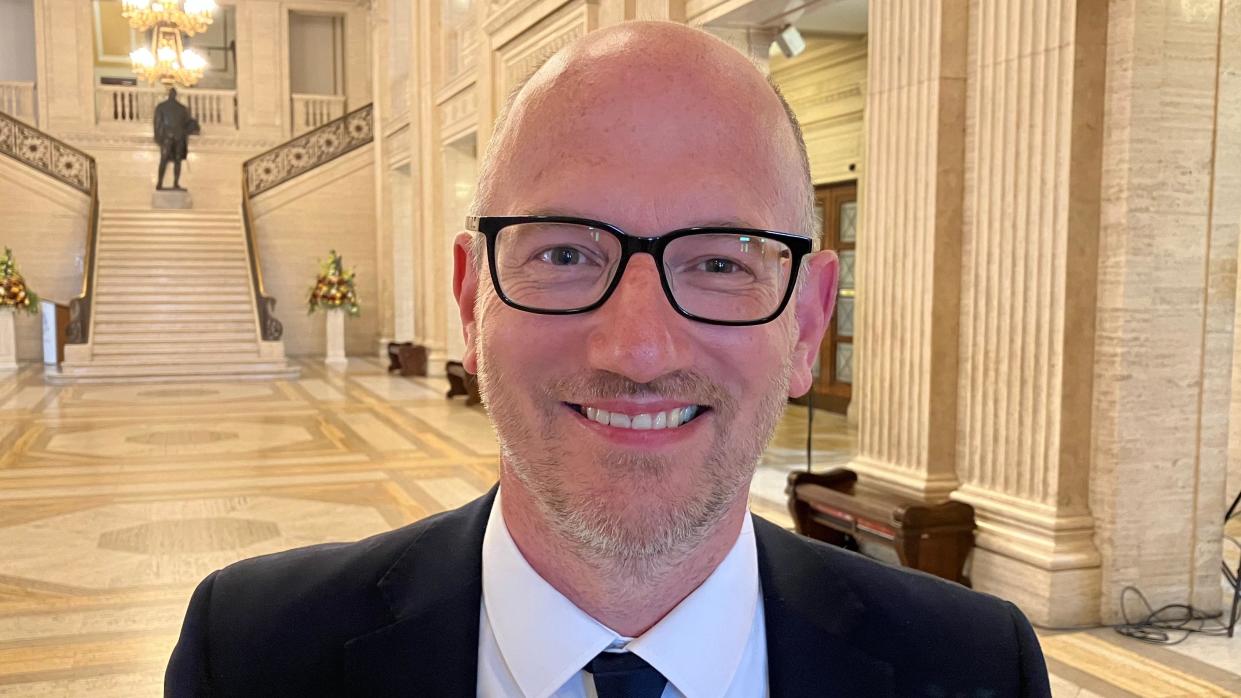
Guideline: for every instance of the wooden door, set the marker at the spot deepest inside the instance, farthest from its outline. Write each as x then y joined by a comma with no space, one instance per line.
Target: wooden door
836,205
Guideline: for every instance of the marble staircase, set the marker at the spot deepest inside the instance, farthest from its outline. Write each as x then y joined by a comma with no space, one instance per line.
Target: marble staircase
173,301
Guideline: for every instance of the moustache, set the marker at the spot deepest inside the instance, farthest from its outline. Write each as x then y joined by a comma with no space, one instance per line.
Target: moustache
688,386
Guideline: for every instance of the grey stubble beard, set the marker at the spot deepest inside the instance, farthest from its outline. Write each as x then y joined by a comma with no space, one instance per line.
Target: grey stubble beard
652,547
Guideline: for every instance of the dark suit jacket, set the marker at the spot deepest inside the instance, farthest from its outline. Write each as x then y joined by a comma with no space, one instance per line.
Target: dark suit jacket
397,615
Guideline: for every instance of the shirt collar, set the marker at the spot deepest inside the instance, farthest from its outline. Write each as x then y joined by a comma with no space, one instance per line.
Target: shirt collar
544,639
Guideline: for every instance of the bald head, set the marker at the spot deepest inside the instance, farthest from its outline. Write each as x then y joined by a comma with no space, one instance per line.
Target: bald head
644,121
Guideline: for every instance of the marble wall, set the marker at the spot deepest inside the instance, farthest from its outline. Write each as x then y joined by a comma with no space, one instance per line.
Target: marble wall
44,222
1166,303
129,171
297,225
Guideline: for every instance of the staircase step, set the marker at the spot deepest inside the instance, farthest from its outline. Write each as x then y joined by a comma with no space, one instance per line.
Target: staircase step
109,215
230,245
157,318
151,264
114,272
146,289
157,238
179,262
111,327
177,358
143,235
145,350
171,224
173,254
121,301
169,336
214,238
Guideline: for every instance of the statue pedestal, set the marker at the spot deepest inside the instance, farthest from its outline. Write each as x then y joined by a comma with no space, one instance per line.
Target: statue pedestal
336,340
171,198
8,341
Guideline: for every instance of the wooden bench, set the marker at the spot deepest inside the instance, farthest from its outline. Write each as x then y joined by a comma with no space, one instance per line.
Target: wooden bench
407,358
462,382
834,508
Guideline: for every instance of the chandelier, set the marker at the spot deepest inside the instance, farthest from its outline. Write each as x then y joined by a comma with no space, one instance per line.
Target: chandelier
167,60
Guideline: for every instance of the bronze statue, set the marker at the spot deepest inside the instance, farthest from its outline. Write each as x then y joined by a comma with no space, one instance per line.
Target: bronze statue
173,128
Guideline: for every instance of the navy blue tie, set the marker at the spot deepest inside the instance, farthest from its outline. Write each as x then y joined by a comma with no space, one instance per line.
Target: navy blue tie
625,675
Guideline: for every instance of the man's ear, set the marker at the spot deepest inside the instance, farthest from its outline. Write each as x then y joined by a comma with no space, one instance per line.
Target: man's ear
465,290
813,311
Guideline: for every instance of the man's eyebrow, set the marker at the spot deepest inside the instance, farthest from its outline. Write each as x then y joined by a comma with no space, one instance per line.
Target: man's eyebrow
711,223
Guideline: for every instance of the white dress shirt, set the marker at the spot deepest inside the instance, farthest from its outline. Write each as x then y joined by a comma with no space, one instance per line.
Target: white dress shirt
534,642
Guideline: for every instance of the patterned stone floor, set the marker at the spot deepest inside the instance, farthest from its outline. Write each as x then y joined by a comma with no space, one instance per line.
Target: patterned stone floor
116,499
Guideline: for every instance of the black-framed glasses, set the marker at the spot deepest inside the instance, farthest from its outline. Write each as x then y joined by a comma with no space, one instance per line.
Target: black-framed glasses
560,265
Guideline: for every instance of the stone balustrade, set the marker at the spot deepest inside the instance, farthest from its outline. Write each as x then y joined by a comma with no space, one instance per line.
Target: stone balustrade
312,111
127,104
17,100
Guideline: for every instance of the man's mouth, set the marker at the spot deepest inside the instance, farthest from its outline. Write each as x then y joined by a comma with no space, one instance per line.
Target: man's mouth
665,419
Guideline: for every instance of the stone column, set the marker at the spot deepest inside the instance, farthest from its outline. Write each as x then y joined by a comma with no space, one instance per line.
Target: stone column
1228,150
65,60
384,62
1167,275
262,74
431,284
908,250
8,341
1028,299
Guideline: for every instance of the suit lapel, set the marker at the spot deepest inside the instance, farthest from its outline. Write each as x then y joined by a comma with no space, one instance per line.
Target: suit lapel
813,619
433,591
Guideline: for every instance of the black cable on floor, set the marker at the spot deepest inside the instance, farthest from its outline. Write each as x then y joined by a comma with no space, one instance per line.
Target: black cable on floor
1168,625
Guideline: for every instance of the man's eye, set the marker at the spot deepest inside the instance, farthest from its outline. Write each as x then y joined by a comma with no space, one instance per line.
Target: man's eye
562,256
718,265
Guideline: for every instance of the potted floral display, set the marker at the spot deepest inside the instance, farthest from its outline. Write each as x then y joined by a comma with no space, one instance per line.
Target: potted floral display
335,293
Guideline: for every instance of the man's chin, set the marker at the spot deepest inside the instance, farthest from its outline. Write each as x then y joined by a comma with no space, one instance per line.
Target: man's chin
650,525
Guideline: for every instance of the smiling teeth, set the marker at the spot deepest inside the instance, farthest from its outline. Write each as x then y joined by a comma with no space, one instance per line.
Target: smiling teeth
669,419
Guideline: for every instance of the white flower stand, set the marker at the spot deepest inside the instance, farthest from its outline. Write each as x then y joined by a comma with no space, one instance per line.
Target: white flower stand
336,340
8,340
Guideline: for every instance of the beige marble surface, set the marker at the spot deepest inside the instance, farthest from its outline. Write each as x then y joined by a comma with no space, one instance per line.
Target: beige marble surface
115,500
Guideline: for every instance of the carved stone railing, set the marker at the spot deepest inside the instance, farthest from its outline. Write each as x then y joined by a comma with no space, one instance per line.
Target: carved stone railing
281,164
61,161
17,99
124,104
307,151
312,111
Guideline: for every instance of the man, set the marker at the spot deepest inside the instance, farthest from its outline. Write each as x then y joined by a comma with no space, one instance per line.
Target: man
636,327
173,128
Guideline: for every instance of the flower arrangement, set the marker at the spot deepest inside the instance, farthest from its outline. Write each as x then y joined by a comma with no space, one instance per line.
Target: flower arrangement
13,291
334,289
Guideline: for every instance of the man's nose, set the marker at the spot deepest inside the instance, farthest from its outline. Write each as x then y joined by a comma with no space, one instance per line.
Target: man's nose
637,333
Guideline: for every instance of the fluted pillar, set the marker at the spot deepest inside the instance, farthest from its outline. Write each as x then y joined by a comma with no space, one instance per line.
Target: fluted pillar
908,250
1029,274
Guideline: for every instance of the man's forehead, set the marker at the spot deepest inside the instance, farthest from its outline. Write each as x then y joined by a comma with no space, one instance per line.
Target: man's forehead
709,220
687,128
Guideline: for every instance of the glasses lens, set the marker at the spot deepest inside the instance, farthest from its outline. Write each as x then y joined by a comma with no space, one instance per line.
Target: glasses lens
730,277
555,266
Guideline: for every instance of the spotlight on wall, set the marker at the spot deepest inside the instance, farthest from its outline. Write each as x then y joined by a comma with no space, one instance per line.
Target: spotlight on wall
790,42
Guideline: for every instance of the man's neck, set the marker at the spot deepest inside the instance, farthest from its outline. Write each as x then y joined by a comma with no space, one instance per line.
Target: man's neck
629,601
